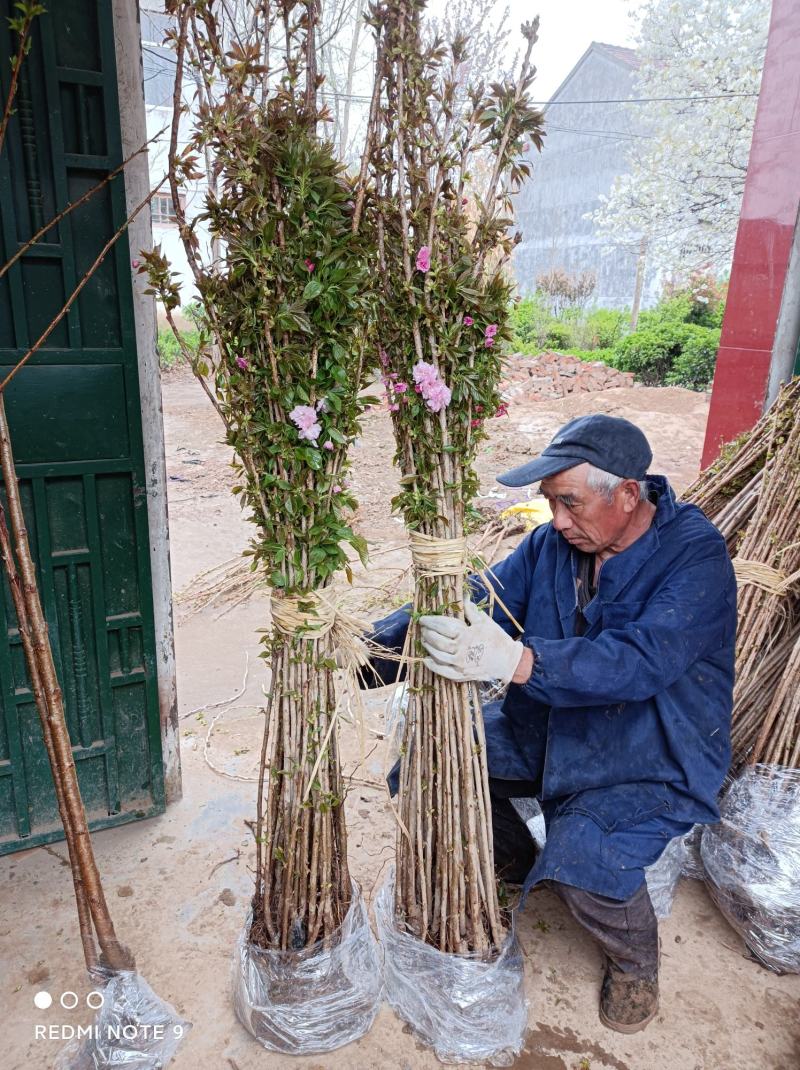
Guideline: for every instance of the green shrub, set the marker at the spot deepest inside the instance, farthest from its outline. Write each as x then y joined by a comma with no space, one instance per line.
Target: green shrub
169,352
559,336
650,352
530,321
606,327
670,352
694,365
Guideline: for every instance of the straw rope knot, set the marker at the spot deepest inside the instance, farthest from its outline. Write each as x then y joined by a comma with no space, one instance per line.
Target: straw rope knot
310,615
765,577
432,556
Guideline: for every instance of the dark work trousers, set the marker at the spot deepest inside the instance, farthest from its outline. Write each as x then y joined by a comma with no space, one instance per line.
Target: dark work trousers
626,931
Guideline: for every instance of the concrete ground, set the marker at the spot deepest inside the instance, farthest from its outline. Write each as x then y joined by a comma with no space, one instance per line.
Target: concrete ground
179,884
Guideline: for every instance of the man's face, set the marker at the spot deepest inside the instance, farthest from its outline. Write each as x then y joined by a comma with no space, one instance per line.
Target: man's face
585,517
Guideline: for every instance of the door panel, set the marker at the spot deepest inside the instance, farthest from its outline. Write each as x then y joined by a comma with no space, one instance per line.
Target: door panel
77,434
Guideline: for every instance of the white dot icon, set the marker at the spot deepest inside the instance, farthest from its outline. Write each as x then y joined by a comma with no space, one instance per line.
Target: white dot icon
42,1000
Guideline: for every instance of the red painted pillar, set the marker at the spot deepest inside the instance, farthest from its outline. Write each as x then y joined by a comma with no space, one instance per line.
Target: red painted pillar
763,241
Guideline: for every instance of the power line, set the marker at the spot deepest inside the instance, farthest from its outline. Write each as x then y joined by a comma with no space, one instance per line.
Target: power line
642,100
612,135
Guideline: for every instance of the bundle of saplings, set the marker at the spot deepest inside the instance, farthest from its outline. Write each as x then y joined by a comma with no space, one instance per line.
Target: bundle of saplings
285,301
751,858
445,159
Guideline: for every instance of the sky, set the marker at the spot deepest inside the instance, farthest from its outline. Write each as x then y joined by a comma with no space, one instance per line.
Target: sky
566,29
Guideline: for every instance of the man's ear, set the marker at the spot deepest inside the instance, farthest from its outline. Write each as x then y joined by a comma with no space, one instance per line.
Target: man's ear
630,492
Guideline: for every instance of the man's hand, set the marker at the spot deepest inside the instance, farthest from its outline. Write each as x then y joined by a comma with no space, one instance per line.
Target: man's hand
478,650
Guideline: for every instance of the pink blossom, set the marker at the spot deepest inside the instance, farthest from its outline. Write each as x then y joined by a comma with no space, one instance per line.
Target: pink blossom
310,265
418,388
491,330
305,418
502,409
424,258
400,388
474,423
134,263
394,408
322,405
488,342
327,445
242,363
468,321
337,489
436,394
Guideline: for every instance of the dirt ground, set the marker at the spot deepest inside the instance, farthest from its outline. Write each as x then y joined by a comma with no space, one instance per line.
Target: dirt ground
179,884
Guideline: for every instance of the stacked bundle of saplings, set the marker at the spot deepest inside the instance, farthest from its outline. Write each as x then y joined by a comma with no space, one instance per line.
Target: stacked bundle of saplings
134,1024
752,858
285,300
753,495
443,243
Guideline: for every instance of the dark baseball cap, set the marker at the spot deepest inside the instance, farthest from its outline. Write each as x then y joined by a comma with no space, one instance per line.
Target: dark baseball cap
607,442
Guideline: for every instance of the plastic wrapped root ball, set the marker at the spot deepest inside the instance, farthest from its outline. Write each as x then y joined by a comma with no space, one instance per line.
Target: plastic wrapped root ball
752,863
663,877
314,1000
134,1029
468,1009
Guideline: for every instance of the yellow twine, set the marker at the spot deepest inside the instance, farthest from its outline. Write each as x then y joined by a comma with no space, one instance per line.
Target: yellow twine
311,612
432,556
765,577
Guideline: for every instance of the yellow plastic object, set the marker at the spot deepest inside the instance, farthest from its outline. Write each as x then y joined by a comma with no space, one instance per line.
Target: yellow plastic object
532,514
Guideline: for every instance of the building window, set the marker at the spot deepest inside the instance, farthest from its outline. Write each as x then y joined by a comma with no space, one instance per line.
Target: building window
163,211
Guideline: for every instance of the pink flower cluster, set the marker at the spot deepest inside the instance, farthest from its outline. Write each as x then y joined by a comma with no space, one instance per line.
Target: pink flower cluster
489,333
424,259
435,393
305,419
242,363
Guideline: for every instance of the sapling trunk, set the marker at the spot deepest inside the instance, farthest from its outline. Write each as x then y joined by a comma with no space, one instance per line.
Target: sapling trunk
303,883
49,700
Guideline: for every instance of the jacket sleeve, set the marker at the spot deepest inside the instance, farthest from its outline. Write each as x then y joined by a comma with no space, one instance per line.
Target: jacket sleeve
391,633
692,616
511,581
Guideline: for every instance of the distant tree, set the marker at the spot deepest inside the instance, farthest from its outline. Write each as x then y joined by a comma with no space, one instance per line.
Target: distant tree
683,190
563,291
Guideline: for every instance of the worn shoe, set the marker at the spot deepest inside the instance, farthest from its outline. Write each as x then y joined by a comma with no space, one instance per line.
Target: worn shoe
627,1004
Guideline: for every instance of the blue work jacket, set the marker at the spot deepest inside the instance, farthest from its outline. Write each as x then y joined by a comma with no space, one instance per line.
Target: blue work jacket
626,727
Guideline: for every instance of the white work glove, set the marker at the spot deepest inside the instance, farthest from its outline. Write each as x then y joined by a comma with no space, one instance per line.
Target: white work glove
478,650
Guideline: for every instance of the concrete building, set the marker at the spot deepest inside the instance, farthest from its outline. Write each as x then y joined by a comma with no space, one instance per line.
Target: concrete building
589,133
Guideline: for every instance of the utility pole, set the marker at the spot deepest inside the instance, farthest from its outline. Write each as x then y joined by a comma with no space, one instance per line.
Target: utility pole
639,284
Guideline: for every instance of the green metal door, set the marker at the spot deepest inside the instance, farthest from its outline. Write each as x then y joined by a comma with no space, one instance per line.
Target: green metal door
76,427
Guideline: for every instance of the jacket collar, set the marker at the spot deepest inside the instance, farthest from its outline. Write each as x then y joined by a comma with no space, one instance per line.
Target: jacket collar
618,571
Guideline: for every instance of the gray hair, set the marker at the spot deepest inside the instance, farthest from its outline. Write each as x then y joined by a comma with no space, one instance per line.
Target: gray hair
606,483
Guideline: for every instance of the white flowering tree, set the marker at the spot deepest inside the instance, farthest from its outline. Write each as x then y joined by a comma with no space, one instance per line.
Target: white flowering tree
683,188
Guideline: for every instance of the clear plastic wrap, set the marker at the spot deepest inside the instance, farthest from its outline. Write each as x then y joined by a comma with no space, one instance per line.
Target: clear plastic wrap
314,1000
467,1009
134,1029
752,863
663,876
692,862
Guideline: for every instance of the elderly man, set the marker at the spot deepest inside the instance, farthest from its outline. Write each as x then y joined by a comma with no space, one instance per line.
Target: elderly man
617,715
